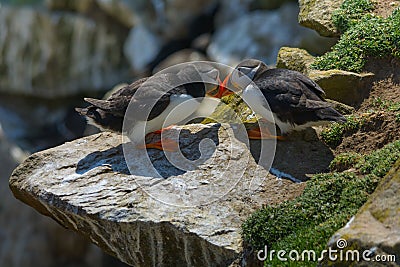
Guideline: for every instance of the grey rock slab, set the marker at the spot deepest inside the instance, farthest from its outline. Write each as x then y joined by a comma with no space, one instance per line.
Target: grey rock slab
86,186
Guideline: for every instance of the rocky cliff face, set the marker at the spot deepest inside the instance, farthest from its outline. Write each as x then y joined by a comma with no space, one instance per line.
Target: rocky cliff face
237,39
54,55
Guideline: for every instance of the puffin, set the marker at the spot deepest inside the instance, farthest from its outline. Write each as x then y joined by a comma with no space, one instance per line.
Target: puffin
154,104
288,98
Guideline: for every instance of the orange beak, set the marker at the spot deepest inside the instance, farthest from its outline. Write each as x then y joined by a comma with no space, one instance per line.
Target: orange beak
223,90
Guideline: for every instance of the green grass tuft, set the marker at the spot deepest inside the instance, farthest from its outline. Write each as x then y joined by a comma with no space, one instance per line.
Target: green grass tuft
345,161
379,162
350,13
327,203
364,35
333,135
386,105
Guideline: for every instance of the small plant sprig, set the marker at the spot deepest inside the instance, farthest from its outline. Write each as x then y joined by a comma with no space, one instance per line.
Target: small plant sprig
333,135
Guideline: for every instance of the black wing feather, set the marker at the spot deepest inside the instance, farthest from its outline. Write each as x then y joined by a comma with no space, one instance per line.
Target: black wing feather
147,103
294,97
285,89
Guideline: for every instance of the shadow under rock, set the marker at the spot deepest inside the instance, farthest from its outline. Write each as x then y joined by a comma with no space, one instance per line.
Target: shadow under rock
301,155
192,146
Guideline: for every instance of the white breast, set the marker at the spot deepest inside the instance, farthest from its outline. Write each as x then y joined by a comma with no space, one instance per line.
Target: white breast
257,102
179,108
206,108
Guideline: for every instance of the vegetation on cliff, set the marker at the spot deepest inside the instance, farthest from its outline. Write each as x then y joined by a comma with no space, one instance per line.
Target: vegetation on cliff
365,35
327,204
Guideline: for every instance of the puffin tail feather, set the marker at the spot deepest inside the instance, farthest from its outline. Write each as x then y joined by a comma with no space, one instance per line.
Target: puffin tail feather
103,104
330,114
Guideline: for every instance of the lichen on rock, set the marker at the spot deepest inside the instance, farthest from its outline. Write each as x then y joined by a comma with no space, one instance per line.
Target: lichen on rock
317,15
294,59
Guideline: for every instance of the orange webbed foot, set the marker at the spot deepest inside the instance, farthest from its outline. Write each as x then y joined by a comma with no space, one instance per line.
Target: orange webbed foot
163,129
168,145
264,133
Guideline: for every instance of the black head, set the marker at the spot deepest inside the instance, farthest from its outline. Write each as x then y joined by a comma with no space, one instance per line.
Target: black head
101,119
251,67
243,74
200,79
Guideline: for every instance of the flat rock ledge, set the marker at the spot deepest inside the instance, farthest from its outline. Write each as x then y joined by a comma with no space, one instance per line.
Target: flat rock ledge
86,185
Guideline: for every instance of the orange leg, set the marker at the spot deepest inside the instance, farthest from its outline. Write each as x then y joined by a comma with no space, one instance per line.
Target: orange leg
165,145
263,133
163,129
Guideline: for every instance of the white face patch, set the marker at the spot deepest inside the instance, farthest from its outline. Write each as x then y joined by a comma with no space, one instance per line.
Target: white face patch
92,122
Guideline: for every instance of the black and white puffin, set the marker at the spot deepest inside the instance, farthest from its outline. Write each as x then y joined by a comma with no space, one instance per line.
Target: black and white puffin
157,102
290,99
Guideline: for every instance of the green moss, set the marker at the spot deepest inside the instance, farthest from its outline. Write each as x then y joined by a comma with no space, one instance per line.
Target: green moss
233,110
397,117
350,13
365,35
344,161
333,135
387,105
379,162
327,203
381,214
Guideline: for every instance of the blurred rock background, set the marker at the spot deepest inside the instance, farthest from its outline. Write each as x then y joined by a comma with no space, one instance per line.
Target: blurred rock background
55,52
